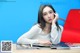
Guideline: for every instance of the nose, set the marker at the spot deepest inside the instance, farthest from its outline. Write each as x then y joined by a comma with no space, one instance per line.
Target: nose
48,15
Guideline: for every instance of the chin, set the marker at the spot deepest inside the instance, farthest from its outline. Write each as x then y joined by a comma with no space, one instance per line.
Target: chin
49,22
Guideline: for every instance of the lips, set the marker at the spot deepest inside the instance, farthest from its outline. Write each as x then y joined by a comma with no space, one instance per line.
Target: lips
50,19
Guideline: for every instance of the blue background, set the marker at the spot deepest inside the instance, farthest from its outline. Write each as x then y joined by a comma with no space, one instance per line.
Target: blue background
18,16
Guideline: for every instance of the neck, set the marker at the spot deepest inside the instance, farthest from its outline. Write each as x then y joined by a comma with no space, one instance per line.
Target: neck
48,26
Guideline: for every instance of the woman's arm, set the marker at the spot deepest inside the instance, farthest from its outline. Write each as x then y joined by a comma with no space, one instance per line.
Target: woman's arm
26,38
55,34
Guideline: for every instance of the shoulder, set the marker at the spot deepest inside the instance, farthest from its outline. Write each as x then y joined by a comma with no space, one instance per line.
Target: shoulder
61,27
37,26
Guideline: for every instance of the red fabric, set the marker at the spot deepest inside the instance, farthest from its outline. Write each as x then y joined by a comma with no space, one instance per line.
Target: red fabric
71,32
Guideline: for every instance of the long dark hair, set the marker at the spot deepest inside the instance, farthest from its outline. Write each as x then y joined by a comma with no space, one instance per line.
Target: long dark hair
41,21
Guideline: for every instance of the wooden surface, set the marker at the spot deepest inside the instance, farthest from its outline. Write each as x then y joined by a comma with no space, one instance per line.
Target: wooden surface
44,50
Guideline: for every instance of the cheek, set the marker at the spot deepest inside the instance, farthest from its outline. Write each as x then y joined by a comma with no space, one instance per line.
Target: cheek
45,18
52,16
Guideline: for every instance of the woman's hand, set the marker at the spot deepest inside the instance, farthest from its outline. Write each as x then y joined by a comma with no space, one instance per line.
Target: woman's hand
56,18
45,42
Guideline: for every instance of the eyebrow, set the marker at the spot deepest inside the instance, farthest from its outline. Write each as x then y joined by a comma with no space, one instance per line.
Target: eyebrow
49,10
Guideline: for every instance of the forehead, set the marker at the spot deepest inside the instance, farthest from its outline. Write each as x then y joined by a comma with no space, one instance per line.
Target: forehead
46,9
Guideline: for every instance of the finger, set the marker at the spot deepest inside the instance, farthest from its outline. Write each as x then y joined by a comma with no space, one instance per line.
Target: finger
54,13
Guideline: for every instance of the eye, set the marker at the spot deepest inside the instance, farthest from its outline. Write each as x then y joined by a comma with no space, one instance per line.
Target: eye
44,14
50,12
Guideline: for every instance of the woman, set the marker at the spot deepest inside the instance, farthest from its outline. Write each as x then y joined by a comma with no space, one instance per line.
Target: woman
46,31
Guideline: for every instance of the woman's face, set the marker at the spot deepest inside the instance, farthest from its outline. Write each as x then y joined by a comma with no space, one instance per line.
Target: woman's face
48,14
